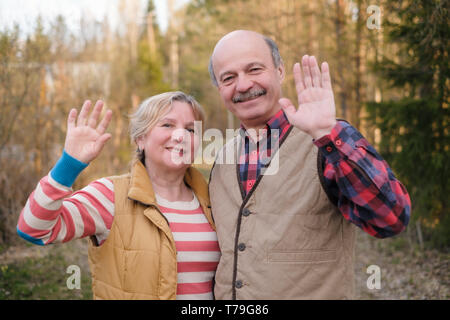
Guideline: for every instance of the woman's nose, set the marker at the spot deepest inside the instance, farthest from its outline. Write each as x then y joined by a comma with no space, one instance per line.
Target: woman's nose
178,135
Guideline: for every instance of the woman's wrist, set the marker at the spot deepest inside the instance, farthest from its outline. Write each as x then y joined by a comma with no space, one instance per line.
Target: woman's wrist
67,169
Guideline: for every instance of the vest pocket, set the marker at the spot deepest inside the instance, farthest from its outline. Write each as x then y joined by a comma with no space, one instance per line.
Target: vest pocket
303,256
308,238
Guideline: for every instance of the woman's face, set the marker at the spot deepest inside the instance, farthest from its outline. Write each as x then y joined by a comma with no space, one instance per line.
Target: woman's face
171,143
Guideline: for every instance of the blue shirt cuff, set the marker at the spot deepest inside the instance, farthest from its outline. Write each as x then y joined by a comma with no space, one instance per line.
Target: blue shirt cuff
67,170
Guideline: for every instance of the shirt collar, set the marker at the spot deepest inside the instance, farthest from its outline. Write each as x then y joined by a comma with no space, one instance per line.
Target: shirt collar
277,121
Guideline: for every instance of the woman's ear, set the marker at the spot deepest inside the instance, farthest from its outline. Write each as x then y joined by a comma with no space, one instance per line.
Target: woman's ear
140,143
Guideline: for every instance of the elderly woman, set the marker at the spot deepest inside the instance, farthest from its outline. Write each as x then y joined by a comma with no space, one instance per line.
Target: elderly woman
151,229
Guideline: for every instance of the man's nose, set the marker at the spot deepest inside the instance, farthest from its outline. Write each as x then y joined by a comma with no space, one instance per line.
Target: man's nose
244,83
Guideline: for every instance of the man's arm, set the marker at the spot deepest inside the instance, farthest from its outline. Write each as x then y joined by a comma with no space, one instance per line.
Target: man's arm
368,193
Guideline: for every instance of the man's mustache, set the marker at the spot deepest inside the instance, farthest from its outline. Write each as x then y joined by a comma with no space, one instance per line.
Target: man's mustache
250,94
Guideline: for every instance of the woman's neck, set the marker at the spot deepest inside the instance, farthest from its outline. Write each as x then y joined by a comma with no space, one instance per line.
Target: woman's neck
169,184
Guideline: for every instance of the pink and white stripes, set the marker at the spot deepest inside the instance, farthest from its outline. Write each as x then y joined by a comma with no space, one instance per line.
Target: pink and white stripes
198,250
54,214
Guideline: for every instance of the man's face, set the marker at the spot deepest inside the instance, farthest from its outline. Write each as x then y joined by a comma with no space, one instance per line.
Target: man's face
248,82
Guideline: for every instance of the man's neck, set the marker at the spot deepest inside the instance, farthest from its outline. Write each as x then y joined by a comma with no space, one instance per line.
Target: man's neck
257,128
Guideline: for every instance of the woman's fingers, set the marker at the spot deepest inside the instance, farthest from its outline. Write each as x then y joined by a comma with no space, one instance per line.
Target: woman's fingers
92,122
105,122
71,118
100,143
84,113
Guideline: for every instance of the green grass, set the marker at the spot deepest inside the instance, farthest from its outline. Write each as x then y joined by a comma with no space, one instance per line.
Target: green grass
41,278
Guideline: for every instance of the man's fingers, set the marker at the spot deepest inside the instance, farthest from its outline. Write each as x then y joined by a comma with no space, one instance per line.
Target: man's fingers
84,113
298,79
288,107
71,118
326,79
315,72
92,122
306,72
105,122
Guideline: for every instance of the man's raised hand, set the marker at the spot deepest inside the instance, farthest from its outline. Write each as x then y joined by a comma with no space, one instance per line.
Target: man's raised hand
84,139
316,114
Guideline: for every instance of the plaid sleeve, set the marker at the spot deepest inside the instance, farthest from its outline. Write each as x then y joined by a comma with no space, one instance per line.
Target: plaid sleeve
368,193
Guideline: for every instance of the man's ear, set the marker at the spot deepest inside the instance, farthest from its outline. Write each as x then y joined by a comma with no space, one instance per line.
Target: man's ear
281,72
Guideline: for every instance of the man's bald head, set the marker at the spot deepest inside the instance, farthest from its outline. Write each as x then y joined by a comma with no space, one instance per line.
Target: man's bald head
236,37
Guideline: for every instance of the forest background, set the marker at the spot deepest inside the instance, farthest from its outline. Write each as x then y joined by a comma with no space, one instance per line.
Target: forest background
390,73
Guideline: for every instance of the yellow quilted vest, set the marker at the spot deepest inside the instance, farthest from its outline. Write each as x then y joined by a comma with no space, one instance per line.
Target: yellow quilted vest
138,259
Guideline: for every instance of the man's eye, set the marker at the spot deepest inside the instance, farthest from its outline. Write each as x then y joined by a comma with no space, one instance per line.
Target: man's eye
255,69
190,130
227,79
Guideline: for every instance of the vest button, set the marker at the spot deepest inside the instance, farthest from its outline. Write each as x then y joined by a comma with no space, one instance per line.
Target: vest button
238,284
246,212
241,246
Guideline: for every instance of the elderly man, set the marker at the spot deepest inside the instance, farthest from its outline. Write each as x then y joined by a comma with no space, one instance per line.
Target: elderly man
290,235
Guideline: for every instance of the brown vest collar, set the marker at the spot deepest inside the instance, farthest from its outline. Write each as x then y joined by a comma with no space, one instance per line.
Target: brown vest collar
141,188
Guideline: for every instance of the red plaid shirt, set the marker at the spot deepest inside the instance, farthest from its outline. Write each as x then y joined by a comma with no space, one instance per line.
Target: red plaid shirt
367,192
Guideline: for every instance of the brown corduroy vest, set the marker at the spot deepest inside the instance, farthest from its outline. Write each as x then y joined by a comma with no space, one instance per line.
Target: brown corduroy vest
285,239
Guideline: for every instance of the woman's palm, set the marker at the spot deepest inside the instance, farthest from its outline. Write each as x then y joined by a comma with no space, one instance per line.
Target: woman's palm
85,140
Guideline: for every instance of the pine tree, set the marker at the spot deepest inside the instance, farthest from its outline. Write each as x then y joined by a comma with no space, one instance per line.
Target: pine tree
415,122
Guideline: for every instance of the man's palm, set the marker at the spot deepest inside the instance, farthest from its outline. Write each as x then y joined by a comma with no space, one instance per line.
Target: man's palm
316,114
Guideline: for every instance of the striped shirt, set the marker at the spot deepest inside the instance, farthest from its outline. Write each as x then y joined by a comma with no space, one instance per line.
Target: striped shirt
55,214
197,247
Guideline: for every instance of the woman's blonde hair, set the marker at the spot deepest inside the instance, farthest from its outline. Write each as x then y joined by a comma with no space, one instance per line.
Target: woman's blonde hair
152,109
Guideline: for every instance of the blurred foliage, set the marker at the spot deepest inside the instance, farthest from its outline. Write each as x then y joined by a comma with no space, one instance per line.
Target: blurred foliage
414,122
46,72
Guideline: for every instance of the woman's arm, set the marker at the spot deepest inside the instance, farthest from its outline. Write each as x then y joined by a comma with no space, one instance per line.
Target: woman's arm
52,212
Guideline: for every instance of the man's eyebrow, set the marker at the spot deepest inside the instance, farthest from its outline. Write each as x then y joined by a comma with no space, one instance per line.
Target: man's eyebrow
255,64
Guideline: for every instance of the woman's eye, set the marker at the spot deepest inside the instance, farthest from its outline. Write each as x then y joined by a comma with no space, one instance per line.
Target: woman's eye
190,130
167,125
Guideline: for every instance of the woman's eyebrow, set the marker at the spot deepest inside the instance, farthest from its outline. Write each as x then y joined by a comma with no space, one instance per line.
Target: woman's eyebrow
190,123
167,119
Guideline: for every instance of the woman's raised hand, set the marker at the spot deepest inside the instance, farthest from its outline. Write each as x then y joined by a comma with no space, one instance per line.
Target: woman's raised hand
85,139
